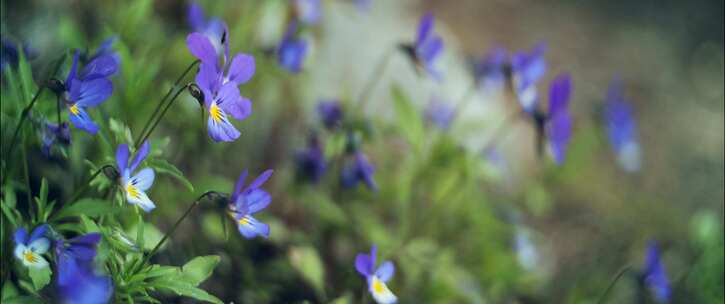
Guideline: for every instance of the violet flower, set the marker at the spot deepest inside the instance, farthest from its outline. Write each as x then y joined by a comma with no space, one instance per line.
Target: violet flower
135,187
490,71
245,202
311,164
559,122
654,276
330,113
29,249
77,280
622,128
527,69
428,46
88,89
214,29
292,50
376,278
51,134
356,168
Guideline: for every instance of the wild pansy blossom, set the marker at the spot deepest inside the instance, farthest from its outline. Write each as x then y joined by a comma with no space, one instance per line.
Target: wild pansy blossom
439,114
622,128
245,202
310,161
215,29
308,11
558,126
330,113
88,89
52,133
77,280
654,276
376,278
428,47
30,248
220,89
490,71
104,50
292,50
356,168
527,69
135,186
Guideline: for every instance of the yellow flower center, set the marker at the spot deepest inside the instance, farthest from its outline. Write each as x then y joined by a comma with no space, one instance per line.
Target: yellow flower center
74,109
30,257
215,112
378,286
244,221
132,190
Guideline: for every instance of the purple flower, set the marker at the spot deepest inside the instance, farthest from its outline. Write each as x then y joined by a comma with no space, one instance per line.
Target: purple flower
10,53
292,50
356,168
310,162
428,46
490,71
29,249
654,275
559,120
104,56
439,114
52,133
220,89
245,202
77,281
376,278
135,186
527,69
214,29
88,89
308,11
330,113
622,128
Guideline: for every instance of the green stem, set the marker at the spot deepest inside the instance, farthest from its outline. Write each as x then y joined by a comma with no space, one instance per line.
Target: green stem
28,192
373,80
173,228
619,275
87,184
158,107
160,116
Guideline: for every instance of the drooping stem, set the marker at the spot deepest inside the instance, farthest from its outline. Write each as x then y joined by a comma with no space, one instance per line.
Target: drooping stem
160,116
176,225
614,281
161,103
373,80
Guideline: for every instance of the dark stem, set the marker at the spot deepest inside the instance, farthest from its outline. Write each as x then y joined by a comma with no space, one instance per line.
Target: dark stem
160,116
173,228
619,275
161,103
373,80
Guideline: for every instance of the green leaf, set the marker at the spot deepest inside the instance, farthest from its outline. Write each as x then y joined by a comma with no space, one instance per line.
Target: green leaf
120,131
8,291
199,269
408,118
183,288
90,207
42,199
162,271
150,236
22,300
26,77
39,276
307,261
164,167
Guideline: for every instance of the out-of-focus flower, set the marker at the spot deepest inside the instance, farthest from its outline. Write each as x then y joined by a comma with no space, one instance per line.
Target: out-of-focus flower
214,29
29,249
77,281
292,50
330,113
308,11
490,71
220,90
622,128
10,53
135,187
356,168
439,113
376,278
245,202
53,133
311,164
90,88
428,47
526,253
106,51
559,120
654,276
527,69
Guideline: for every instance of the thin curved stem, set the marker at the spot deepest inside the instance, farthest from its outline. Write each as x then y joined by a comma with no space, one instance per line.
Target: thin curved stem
619,275
160,116
161,103
173,228
373,80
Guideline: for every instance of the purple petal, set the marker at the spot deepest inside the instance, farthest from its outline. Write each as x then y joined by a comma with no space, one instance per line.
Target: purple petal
232,103
140,155
385,271
208,78
83,121
291,53
218,32
74,67
559,135
424,28
122,157
201,48
241,69
21,236
257,200
655,275
253,228
222,130
559,93
195,17
90,93
373,256
38,232
239,185
102,66
364,265
261,179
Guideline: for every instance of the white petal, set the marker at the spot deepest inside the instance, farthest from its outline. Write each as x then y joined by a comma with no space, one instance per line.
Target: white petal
141,199
19,248
143,179
40,245
380,292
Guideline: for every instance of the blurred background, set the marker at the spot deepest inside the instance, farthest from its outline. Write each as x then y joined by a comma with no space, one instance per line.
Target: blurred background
461,226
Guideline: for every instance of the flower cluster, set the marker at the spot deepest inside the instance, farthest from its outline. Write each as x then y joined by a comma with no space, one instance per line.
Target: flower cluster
376,277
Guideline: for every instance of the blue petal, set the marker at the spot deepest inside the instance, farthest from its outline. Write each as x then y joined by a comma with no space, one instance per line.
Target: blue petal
232,103
364,265
223,130
241,69
90,93
559,135
102,66
253,228
239,185
261,179
195,16
74,67
122,157
83,121
257,200
201,48
385,271
424,28
140,155
21,236
38,232
559,93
